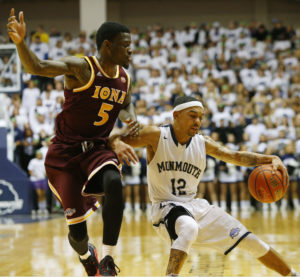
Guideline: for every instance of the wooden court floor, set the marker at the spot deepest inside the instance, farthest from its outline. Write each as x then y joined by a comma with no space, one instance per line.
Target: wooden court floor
41,248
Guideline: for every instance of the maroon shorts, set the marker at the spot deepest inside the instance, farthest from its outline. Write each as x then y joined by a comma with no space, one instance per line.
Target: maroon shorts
69,169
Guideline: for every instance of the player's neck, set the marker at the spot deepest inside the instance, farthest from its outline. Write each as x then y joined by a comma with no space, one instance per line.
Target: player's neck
109,68
181,138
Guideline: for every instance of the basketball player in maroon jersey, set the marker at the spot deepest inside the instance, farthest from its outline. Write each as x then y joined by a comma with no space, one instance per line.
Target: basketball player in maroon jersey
80,164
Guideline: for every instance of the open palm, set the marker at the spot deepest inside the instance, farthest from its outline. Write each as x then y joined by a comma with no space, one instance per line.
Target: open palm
16,30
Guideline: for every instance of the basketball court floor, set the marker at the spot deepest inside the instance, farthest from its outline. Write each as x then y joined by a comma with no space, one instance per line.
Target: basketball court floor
39,247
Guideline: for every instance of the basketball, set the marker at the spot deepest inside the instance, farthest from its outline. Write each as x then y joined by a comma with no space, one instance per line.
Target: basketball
265,186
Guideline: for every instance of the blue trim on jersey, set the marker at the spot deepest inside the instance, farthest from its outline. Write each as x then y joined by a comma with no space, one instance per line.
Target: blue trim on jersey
174,137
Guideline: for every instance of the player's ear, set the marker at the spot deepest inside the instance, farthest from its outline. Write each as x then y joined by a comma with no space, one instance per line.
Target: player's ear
107,44
175,115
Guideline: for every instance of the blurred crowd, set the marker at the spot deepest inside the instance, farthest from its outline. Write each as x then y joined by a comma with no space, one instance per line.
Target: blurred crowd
246,75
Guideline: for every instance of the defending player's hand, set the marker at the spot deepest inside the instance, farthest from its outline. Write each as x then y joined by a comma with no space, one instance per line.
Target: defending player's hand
125,152
16,30
134,128
278,165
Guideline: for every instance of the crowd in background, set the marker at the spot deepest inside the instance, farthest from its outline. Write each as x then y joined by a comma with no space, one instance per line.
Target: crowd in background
246,75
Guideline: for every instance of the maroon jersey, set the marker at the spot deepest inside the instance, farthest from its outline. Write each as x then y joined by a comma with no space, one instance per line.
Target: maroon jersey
90,112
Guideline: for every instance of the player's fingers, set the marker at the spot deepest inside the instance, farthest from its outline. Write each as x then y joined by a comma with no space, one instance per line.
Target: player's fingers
10,25
120,159
132,156
11,19
127,160
21,17
12,12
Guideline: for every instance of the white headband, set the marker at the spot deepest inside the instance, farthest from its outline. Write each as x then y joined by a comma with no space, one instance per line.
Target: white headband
187,105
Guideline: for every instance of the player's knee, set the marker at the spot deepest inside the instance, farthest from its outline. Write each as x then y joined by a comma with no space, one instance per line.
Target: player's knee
113,183
254,246
187,225
187,231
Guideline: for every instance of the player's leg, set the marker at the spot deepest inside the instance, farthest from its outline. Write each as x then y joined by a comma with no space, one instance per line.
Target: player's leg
223,192
266,255
183,230
212,192
234,197
137,198
78,239
127,197
295,198
109,179
201,190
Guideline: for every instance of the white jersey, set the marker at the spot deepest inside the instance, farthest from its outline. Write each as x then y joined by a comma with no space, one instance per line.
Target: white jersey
176,170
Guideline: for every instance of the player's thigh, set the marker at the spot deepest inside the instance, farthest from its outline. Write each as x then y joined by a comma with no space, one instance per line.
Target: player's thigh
219,230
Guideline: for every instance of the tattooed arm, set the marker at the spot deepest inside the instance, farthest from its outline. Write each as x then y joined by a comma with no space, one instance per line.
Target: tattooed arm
243,158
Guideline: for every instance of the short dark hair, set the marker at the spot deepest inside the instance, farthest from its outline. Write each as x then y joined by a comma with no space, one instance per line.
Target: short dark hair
109,30
184,99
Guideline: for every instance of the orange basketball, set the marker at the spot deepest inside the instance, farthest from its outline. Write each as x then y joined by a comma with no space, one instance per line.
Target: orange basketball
265,186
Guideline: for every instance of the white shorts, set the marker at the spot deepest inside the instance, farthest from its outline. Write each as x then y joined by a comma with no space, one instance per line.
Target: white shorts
217,229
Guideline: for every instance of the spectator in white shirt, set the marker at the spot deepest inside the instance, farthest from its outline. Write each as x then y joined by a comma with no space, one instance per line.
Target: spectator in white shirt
30,95
221,115
39,48
255,130
69,44
142,64
40,127
38,178
216,32
58,51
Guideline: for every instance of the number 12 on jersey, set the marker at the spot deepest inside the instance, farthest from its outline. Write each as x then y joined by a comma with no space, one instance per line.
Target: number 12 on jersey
178,187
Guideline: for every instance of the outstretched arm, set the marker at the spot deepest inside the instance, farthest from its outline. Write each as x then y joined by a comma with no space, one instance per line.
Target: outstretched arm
243,158
69,66
128,115
148,136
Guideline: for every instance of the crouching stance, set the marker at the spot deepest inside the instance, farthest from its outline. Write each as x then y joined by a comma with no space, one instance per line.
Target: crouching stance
176,161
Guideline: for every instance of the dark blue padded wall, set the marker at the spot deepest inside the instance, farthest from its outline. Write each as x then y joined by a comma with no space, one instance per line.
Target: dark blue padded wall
15,189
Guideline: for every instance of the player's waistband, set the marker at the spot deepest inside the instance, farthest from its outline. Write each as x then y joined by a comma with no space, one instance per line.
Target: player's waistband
87,145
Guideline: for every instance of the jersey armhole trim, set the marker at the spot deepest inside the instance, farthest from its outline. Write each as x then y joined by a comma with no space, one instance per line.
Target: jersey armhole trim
103,72
91,78
128,80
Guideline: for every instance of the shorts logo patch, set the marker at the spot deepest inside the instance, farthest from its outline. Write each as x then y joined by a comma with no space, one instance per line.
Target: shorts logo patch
234,232
70,212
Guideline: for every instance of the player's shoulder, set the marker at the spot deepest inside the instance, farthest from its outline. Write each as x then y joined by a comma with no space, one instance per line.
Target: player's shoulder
74,61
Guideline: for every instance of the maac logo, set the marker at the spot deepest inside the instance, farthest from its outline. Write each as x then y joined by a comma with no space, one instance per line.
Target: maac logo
9,198
234,232
69,212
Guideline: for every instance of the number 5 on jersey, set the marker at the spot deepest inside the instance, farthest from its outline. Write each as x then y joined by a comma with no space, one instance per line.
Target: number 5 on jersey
103,113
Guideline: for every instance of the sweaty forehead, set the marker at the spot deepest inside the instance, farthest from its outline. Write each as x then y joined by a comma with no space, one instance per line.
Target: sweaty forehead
123,37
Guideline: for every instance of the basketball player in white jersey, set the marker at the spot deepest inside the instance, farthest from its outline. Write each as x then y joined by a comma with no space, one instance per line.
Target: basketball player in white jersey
176,160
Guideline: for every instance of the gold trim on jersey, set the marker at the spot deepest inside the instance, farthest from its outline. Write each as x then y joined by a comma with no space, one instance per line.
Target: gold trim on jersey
91,78
103,72
54,191
83,217
128,80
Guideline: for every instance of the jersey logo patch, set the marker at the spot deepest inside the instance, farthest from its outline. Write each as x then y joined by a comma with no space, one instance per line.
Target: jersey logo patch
70,212
99,74
123,80
234,232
